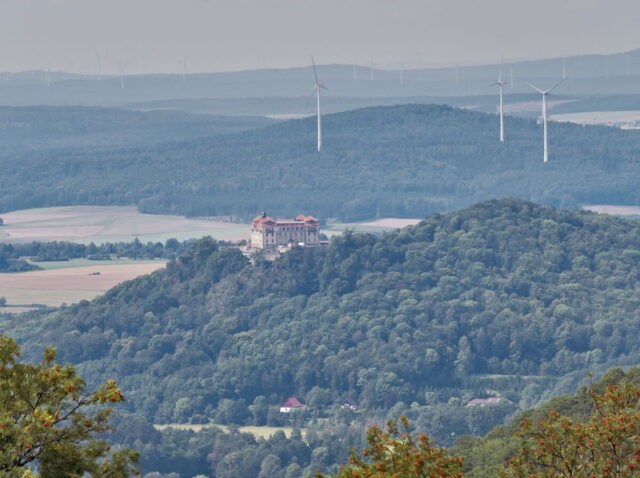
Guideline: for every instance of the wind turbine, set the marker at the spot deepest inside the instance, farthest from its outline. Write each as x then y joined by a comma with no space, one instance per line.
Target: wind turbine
500,84
371,71
316,89
99,59
121,65
184,69
355,70
544,94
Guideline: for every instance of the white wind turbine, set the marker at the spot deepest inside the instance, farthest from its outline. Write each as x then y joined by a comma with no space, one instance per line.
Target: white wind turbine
99,59
544,94
184,69
121,65
500,84
316,89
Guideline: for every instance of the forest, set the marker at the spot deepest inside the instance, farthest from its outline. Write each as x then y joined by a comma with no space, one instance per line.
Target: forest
506,298
398,161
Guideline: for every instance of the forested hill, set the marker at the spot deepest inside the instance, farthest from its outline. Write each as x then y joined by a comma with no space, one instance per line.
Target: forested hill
406,160
505,295
39,129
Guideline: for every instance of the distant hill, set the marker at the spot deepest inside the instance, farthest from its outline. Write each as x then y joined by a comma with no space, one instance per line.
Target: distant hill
588,75
42,128
407,160
506,295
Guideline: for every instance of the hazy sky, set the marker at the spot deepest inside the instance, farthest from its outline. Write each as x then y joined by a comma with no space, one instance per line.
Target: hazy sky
217,35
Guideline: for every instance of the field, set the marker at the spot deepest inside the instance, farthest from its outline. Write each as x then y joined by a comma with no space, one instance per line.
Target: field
376,227
99,224
258,432
614,210
69,282
621,119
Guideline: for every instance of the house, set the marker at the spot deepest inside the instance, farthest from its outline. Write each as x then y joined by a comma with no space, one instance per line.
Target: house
292,404
348,403
483,402
269,234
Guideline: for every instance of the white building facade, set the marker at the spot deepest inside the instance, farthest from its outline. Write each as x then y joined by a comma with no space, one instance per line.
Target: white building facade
268,234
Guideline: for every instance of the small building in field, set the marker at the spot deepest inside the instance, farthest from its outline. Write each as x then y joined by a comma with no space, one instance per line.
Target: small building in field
292,404
269,234
483,402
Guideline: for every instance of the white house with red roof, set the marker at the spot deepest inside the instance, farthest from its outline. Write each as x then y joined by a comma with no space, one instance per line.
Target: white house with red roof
292,404
268,234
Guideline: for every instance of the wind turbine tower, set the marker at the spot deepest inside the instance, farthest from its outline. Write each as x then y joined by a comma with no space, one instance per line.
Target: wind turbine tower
544,94
316,88
121,65
500,84
99,59
184,69
355,70
371,71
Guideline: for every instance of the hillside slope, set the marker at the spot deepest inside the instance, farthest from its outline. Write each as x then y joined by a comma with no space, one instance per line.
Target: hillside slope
504,295
42,128
406,160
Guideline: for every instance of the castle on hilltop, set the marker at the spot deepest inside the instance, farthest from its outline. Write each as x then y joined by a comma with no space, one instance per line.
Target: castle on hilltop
268,234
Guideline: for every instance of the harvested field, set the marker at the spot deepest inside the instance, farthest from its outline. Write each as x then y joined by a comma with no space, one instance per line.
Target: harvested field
68,285
393,223
100,224
377,226
613,209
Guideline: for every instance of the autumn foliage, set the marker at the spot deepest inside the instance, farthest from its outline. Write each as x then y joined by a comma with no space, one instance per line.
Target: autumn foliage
396,453
48,421
607,445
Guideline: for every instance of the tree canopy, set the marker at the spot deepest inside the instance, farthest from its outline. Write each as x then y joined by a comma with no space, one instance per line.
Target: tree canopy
49,422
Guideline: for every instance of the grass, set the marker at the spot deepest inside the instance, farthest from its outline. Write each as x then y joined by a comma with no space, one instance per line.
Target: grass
258,432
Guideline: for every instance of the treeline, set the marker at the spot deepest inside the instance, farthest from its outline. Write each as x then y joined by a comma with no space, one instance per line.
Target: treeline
406,161
12,255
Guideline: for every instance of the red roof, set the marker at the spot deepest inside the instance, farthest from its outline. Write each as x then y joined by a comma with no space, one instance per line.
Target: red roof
292,402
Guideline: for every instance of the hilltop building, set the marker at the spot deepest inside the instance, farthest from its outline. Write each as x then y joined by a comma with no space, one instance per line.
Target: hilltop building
269,234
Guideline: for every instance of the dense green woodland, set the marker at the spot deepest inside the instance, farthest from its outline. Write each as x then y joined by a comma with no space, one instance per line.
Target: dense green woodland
407,160
504,297
43,130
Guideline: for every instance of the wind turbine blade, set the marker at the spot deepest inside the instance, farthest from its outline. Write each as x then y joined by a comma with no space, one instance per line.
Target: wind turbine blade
556,85
536,88
315,73
313,93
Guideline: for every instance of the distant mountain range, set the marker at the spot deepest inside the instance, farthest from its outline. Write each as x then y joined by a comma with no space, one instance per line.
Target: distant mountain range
588,75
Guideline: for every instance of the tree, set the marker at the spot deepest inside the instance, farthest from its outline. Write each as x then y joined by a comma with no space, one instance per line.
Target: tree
48,421
396,453
3,301
608,444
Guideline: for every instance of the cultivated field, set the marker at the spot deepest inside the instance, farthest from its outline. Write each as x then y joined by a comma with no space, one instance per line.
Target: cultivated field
614,210
71,283
620,119
377,226
98,224
258,432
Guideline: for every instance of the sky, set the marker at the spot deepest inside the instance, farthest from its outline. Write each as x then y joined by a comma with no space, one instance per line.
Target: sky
226,35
